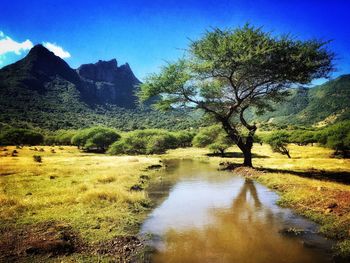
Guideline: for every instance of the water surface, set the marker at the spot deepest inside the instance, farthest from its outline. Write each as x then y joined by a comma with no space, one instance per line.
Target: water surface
205,215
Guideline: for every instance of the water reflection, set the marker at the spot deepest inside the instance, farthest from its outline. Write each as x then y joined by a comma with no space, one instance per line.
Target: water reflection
211,216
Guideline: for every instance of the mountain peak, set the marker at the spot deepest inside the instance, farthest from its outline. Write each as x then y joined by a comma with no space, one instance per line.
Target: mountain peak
111,64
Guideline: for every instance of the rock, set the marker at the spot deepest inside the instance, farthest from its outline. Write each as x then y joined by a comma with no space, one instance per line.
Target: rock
332,205
328,211
291,231
109,83
154,167
136,187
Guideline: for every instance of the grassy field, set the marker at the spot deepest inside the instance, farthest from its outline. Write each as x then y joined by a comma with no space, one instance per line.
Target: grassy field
89,197
88,192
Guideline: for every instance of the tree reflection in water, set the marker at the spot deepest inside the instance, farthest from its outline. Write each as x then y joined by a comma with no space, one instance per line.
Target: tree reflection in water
245,232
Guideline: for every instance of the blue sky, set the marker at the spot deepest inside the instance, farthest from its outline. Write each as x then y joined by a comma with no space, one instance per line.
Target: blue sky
147,33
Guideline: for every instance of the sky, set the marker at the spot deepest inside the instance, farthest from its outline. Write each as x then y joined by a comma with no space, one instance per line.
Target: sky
146,34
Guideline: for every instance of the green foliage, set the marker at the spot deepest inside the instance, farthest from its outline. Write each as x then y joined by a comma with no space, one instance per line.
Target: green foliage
302,137
15,136
213,137
279,142
337,137
184,138
95,138
151,141
61,137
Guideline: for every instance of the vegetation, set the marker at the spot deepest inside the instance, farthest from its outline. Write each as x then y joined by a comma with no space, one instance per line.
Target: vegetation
95,139
337,137
279,142
14,136
150,142
320,105
230,71
213,137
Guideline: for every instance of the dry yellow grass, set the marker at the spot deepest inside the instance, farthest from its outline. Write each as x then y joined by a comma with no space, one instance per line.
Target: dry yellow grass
91,192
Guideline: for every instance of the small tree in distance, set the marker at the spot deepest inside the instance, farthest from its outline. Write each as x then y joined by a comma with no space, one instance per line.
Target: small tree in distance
279,142
229,71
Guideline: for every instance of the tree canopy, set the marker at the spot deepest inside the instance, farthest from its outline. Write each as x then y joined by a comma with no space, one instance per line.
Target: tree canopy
227,71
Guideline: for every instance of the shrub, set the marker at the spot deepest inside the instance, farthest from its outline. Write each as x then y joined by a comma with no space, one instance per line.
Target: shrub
214,138
338,138
184,138
16,136
279,141
150,141
95,138
37,158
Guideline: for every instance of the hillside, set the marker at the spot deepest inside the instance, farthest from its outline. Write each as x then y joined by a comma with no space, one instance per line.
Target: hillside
319,105
42,91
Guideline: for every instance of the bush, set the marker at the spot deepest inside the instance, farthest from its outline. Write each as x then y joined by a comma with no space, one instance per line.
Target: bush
150,141
279,141
184,138
302,137
37,158
337,137
61,137
213,137
95,138
16,136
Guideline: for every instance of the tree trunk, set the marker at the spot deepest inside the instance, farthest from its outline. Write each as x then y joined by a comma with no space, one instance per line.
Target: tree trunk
247,152
245,147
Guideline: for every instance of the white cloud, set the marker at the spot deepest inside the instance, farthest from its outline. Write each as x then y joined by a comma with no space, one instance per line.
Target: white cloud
57,50
8,45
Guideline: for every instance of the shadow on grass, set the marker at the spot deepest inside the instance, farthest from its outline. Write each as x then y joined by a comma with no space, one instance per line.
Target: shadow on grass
340,177
235,155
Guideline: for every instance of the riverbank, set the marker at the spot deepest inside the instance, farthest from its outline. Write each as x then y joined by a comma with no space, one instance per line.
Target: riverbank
309,183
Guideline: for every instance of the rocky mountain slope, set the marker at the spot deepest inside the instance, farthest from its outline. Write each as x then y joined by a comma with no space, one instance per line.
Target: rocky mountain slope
41,90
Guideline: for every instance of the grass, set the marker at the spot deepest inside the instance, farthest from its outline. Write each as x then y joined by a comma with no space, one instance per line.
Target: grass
90,192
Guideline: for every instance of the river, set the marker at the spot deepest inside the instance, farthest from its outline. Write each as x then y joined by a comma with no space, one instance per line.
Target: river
206,215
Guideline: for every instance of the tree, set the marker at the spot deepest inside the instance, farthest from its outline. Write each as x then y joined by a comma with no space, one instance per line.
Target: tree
228,71
338,138
279,142
213,137
95,138
17,136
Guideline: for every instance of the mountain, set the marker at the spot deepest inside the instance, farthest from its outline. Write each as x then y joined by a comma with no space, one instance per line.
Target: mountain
42,90
100,83
109,83
317,106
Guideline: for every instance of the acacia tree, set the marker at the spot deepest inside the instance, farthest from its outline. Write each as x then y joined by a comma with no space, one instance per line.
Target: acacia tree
228,71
